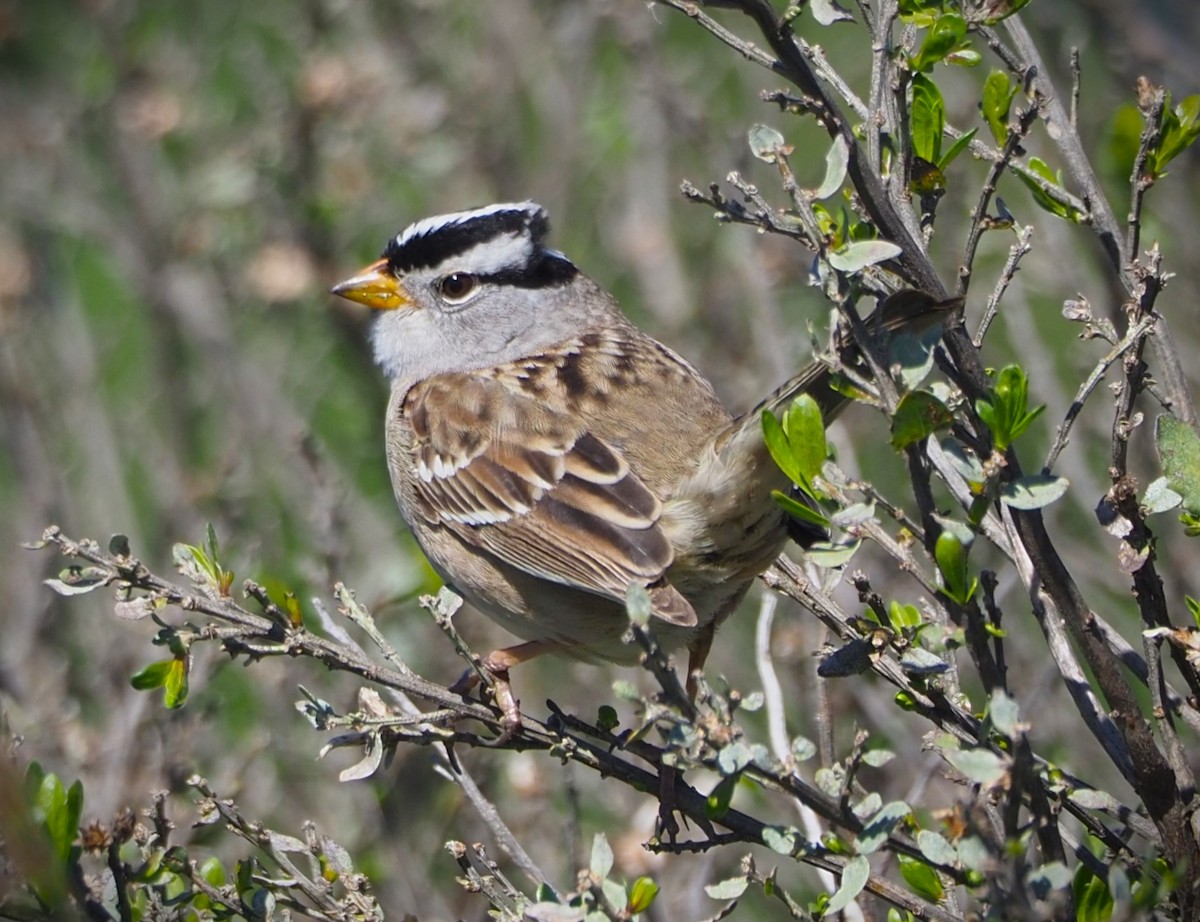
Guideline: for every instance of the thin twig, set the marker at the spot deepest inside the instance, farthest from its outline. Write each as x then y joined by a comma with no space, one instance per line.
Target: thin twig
1015,253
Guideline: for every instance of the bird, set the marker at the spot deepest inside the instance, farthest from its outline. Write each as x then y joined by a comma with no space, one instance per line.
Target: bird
547,454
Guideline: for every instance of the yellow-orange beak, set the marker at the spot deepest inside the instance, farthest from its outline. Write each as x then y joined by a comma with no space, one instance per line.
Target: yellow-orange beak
375,287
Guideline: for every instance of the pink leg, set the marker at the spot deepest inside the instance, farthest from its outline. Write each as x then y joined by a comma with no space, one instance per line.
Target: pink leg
497,663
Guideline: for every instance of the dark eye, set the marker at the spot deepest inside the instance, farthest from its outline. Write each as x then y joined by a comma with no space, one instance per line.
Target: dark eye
457,286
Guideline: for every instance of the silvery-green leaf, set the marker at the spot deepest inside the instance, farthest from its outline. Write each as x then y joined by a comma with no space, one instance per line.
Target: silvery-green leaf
1033,491
1159,497
830,556
868,806
854,877
134,609
877,758
879,827
855,514
803,749
919,661
1004,713
963,460
852,658
863,253
784,840
973,853
367,766
281,843
637,604
1095,800
827,12
734,757
729,889
1049,877
765,142
835,169
602,857
936,848
980,765
554,912
913,356
752,702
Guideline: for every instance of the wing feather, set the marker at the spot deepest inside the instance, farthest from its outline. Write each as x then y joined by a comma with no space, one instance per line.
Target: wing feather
530,485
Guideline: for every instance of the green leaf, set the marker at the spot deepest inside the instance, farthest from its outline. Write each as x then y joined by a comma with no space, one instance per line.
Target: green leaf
1193,608
918,415
1093,902
1033,491
152,676
58,809
904,617
1124,139
175,689
78,580
855,875
642,894
1180,128
805,431
921,879
927,119
716,805
1002,9
1005,411
920,13
998,93
799,510
945,35
956,148
964,57
212,871
779,447
1179,453
606,717
1044,200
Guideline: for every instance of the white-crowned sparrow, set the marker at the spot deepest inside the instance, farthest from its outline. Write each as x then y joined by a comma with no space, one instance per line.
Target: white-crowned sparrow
546,453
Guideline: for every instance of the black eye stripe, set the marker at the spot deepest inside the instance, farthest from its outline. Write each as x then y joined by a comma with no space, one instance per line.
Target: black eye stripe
544,270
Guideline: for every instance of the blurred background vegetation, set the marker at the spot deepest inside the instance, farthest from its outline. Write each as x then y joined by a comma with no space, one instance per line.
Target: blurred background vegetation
182,182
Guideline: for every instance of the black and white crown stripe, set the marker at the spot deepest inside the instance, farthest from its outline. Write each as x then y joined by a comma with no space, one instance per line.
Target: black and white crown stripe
501,243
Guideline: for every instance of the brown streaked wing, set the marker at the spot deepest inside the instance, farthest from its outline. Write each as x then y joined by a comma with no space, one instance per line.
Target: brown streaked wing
530,485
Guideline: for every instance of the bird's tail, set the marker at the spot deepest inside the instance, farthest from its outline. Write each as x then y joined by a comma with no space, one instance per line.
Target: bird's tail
907,311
